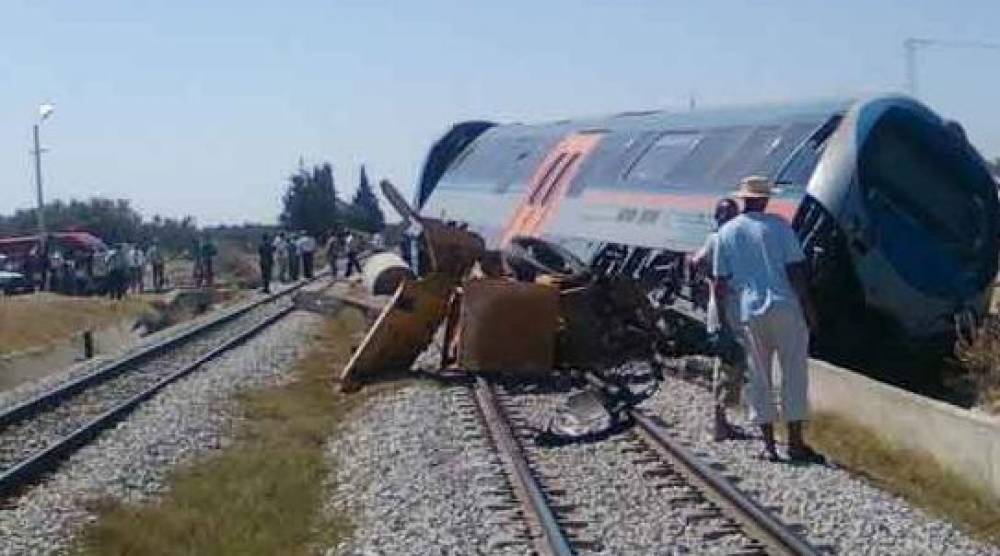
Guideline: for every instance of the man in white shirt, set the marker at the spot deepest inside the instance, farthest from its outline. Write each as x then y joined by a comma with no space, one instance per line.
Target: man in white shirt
281,256
307,248
352,245
759,263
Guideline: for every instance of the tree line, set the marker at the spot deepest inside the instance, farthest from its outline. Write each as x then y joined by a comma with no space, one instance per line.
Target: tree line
112,220
310,203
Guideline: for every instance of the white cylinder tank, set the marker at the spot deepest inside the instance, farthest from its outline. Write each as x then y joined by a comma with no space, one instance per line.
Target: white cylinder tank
382,273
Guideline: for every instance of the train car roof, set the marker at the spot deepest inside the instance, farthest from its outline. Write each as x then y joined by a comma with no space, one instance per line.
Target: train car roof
746,115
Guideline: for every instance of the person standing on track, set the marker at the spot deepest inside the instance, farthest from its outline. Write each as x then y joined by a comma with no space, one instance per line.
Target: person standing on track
332,250
265,255
728,367
759,263
281,256
353,247
307,247
293,256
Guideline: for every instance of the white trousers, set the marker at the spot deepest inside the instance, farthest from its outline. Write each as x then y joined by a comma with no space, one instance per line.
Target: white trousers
781,331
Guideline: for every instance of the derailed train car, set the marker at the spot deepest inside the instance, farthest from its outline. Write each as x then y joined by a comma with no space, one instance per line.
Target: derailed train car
897,212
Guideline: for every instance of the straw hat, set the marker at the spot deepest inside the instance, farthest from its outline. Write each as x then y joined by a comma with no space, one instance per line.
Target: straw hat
754,187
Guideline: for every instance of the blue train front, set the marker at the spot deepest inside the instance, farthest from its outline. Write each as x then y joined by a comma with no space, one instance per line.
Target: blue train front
897,212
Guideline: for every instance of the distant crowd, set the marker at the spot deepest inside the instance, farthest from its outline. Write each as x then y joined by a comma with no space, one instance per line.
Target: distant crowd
126,265
293,253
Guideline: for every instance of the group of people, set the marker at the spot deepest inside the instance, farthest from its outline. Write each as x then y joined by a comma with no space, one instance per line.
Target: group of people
127,264
758,310
293,253
345,243
203,252
288,253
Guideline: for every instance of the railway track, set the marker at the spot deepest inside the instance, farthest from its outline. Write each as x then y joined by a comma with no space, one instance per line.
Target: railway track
38,434
725,519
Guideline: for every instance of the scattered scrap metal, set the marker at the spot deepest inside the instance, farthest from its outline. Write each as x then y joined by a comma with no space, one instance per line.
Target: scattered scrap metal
523,313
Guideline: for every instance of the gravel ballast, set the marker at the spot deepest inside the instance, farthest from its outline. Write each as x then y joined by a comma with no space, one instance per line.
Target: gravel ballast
20,440
28,390
131,461
416,480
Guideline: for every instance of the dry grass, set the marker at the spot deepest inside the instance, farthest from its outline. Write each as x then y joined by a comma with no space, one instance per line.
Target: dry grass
236,264
263,494
39,320
914,476
979,357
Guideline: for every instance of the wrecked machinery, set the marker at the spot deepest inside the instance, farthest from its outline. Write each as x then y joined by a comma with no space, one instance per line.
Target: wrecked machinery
522,312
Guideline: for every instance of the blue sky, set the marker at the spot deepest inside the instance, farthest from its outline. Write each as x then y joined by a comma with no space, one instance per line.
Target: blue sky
204,107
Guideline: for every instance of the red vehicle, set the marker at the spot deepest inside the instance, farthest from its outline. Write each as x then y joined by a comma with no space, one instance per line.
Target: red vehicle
85,251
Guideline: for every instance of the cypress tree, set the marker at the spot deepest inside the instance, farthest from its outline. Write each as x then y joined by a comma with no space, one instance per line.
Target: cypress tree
365,207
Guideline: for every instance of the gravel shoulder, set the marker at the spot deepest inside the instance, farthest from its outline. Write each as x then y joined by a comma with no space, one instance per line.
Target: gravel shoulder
132,461
840,511
415,479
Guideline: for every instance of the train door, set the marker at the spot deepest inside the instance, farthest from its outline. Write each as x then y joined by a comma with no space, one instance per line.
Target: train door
549,184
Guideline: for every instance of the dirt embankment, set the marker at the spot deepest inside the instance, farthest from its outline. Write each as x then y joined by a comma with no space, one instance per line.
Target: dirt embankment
36,322
41,333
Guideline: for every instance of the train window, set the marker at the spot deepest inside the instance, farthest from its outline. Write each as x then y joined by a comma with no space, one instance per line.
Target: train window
494,161
903,173
662,156
745,159
606,166
797,167
695,169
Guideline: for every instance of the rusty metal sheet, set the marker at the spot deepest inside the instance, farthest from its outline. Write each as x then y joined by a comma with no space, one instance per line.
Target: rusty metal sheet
403,329
508,327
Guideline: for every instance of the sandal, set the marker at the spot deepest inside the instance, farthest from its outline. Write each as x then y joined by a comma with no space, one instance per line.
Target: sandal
805,454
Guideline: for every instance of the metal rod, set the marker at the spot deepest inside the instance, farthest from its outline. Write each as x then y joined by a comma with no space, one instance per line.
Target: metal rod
777,533
552,540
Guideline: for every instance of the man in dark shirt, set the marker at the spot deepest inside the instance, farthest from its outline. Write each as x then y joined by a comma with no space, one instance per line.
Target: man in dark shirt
265,254
207,252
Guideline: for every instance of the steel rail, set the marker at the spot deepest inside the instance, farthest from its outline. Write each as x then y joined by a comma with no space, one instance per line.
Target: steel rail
45,400
775,533
551,539
15,478
28,470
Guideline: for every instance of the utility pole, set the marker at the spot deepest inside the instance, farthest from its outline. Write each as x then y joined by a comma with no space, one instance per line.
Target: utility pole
44,111
38,184
911,45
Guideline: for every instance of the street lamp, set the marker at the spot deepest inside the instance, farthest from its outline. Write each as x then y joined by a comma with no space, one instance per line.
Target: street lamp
44,111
